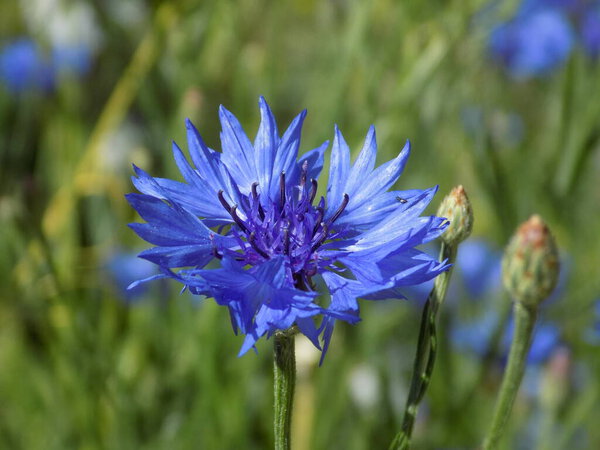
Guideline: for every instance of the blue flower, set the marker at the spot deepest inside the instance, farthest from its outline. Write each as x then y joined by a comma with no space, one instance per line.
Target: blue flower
534,43
23,67
123,268
590,32
479,266
286,257
476,337
73,59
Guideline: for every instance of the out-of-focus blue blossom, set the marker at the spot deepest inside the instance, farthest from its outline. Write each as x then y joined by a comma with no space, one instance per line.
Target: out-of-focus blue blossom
590,31
75,59
476,336
566,6
124,268
479,266
477,274
543,33
24,67
253,208
545,340
532,44
479,269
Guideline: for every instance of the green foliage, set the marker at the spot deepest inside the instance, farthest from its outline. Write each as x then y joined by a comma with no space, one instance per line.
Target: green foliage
82,368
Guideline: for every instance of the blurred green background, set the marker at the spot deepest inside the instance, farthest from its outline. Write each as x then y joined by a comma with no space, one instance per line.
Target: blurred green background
85,365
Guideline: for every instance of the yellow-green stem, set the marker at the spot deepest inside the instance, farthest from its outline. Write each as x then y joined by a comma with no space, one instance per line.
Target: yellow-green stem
284,370
426,351
517,360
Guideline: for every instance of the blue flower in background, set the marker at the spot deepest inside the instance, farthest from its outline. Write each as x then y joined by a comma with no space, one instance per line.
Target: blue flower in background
478,265
533,43
545,340
254,209
480,268
23,67
124,268
542,35
477,274
74,59
476,337
590,32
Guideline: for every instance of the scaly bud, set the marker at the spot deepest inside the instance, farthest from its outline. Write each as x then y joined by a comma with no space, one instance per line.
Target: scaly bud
530,265
456,207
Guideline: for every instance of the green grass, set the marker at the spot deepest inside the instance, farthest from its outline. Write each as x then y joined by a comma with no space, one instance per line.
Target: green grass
80,368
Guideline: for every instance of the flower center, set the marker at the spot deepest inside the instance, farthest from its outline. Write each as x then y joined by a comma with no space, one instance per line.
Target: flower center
292,226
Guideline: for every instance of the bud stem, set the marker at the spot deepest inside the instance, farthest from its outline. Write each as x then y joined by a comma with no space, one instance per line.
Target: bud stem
525,317
426,350
284,370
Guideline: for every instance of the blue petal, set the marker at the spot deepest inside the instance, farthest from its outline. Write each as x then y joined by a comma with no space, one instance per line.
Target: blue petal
307,328
382,206
183,237
287,154
238,153
381,179
343,291
364,164
408,267
207,161
265,146
179,256
146,280
173,222
399,226
206,207
315,161
339,169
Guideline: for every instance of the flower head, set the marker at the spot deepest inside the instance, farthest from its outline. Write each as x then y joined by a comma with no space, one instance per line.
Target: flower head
457,208
590,31
534,43
530,267
23,67
254,209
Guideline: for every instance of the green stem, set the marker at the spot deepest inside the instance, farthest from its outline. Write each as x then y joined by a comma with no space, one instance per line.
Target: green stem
517,359
426,351
284,369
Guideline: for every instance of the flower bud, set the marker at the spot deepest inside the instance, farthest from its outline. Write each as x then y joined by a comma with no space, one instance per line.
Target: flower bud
456,207
530,265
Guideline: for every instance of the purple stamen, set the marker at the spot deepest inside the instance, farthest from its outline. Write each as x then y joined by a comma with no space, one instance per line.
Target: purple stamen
261,212
286,241
282,189
223,201
303,174
240,223
252,240
320,238
313,190
340,210
320,213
